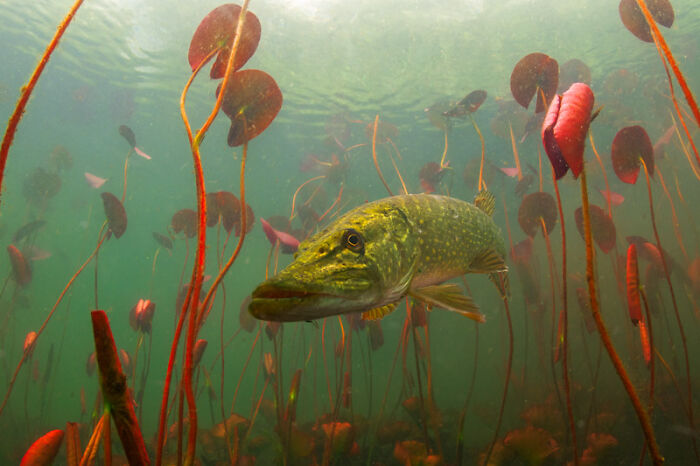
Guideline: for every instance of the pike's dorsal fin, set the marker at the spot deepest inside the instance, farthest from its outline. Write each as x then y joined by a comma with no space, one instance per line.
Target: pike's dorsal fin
489,261
486,202
379,312
448,296
500,279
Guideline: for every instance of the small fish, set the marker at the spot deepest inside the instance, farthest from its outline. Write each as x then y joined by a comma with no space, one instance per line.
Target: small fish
369,259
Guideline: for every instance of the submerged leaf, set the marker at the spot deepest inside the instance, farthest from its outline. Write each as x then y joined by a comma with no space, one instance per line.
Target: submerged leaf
116,215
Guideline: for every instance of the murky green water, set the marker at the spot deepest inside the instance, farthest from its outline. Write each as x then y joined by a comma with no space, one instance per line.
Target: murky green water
338,65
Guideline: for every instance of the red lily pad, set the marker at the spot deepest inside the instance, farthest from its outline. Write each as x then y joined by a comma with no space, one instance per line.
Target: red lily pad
213,212
116,215
509,115
230,208
218,30
252,100
21,270
522,251
631,143
602,227
565,127
573,71
185,220
43,450
634,20
532,72
535,206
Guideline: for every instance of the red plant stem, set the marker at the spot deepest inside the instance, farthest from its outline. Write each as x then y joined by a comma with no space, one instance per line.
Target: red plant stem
656,34
186,302
374,155
515,153
483,153
509,366
107,443
91,448
675,308
126,165
239,245
651,346
335,202
444,152
674,215
565,356
25,354
27,90
642,415
424,417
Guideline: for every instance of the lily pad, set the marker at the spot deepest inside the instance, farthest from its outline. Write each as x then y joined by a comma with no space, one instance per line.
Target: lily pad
535,206
631,144
185,220
534,71
251,100
217,31
602,227
634,20
116,215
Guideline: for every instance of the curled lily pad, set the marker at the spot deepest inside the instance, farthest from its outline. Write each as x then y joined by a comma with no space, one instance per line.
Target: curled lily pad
534,71
535,206
217,31
230,209
116,215
631,144
602,227
634,20
185,220
251,100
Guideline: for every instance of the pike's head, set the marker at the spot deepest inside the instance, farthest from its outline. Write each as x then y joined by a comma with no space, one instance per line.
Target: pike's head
350,266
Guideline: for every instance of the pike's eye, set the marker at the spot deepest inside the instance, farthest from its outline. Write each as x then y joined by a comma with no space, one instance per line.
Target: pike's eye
353,240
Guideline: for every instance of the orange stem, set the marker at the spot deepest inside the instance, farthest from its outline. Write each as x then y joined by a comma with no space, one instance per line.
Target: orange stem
515,153
294,198
27,90
656,34
481,184
642,414
374,155
444,152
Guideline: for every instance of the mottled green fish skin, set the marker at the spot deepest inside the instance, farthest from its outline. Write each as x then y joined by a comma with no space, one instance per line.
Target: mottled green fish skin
410,241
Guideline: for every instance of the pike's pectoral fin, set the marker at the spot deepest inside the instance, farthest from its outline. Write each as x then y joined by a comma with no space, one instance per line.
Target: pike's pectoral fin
489,261
379,312
486,202
448,296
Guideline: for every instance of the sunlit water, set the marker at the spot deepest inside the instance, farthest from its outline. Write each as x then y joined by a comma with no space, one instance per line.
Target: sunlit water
125,62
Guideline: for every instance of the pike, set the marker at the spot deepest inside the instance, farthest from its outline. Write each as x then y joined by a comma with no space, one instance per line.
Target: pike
376,254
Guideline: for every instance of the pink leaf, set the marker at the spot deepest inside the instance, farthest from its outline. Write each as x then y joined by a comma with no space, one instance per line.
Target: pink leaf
94,181
142,153
510,171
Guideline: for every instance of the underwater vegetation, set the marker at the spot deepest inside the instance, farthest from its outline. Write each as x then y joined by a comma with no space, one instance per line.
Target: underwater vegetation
353,347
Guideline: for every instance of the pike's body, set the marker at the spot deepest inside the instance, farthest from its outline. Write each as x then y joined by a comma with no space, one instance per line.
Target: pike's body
374,255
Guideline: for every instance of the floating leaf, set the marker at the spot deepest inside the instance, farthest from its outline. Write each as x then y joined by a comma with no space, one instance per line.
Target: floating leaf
116,215
534,71
218,30
536,206
630,144
602,227
564,129
249,220
185,220
251,100
385,131
634,20
43,450
41,185
436,115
